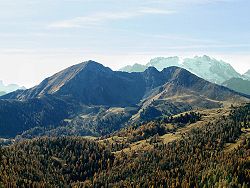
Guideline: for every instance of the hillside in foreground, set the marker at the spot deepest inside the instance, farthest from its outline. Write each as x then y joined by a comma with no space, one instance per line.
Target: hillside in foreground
208,148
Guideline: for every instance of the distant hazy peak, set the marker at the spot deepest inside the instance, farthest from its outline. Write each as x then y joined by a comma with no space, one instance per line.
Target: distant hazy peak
9,88
134,68
247,73
162,62
239,85
176,58
211,69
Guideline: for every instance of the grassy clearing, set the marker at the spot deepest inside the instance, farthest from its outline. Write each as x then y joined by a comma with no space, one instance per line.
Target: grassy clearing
231,146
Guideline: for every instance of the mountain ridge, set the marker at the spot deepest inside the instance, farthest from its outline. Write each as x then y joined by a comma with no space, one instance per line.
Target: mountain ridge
89,92
247,74
238,84
203,66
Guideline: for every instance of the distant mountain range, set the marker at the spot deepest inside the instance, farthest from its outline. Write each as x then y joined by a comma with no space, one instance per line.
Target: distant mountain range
247,75
2,93
90,99
205,67
238,84
8,88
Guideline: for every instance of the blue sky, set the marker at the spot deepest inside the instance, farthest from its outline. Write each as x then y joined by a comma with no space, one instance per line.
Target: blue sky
40,37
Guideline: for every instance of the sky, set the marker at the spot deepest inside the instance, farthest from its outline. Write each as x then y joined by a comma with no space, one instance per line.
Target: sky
40,37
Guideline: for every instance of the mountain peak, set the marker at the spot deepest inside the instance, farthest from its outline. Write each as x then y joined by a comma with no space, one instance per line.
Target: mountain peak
162,62
209,68
134,68
248,72
246,75
91,64
206,57
151,69
79,90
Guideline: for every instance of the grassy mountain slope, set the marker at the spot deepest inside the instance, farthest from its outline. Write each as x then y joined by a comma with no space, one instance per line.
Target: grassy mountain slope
208,148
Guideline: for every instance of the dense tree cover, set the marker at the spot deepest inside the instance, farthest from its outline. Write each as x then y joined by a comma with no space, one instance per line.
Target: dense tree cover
198,159
95,121
18,116
160,126
161,108
52,162
190,117
143,131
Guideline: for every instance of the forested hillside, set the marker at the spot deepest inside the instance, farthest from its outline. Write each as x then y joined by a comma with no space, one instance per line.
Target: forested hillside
91,99
52,162
214,154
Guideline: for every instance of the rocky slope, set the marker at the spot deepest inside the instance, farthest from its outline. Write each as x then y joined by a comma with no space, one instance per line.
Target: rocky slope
94,100
205,67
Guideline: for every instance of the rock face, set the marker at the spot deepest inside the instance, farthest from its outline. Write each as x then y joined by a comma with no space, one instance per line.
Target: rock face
211,69
89,92
93,84
205,67
161,62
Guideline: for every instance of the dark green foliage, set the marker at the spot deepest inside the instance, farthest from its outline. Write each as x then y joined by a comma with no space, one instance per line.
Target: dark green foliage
18,116
100,122
197,159
52,162
191,117
150,113
144,131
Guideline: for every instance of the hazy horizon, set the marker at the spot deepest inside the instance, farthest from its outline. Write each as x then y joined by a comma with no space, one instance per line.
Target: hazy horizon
36,79
39,38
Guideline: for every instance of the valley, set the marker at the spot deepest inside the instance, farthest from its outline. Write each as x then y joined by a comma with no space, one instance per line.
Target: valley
215,141
124,94
89,126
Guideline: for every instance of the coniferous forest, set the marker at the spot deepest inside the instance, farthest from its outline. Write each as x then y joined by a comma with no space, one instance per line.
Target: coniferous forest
214,155
124,94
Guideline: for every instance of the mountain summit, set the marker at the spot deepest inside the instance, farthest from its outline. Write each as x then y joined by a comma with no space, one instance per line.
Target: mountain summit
247,75
94,100
92,83
205,67
210,69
